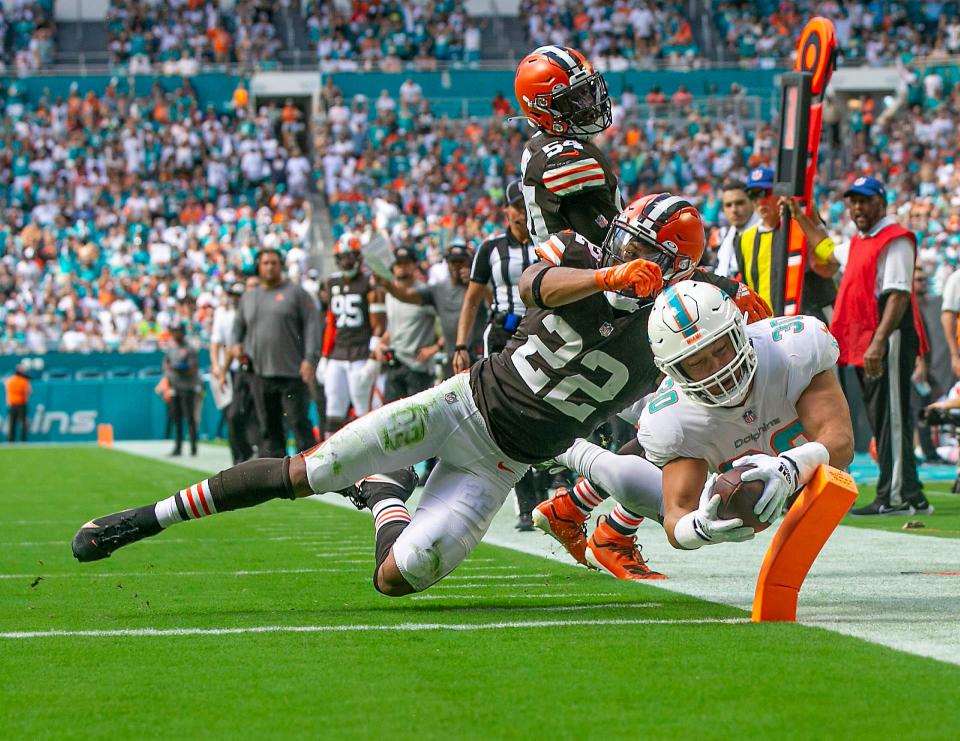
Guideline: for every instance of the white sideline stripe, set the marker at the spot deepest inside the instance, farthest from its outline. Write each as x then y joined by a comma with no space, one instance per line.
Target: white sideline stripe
496,576
111,575
400,627
491,568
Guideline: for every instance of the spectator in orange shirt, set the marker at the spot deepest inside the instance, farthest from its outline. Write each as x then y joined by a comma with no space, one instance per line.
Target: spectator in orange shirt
18,394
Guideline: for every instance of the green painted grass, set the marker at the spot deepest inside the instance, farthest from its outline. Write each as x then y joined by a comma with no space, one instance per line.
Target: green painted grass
943,523
569,681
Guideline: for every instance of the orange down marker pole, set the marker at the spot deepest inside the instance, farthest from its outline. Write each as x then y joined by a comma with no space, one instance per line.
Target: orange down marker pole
806,527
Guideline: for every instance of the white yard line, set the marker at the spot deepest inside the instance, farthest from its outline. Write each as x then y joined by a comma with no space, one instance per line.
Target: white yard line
856,587
399,627
89,574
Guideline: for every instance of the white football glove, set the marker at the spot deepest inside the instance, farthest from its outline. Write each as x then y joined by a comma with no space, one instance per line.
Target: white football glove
781,479
717,530
703,526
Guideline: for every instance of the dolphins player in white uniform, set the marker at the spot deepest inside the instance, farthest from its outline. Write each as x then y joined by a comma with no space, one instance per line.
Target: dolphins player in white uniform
763,394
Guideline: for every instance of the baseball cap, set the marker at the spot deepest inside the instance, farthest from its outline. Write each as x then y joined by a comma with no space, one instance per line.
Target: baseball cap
236,289
866,186
404,253
457,251
513,192
760,178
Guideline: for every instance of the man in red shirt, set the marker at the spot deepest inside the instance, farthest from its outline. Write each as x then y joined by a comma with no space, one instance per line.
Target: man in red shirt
877,323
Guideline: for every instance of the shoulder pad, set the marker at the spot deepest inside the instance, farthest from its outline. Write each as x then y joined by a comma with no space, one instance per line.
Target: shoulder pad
553,249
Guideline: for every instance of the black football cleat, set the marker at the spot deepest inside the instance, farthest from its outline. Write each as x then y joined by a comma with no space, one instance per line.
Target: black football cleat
399,484
102,536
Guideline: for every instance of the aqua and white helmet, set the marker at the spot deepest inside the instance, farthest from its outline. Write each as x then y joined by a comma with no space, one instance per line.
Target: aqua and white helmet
686,318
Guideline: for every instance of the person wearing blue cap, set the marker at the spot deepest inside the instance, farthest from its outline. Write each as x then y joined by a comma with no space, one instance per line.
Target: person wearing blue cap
877,323
754,253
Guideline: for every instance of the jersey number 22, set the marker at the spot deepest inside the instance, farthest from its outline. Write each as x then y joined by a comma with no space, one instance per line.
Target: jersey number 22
559,359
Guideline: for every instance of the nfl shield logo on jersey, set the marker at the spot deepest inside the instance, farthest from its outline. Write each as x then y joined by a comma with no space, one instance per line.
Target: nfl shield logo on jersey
749,417
606,329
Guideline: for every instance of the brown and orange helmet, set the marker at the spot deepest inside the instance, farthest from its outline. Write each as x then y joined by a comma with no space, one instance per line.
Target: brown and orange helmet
662,228
560,92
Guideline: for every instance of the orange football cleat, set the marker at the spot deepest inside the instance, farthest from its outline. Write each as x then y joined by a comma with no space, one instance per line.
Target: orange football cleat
618,554
561,518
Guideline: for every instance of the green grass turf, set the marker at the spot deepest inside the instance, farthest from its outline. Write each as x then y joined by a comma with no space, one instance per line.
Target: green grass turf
571,681
943,523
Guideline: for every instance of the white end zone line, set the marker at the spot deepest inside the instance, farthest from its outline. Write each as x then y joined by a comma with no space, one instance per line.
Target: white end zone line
399,627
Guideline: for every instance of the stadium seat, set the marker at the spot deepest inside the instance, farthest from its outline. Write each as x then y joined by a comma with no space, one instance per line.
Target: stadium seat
57,374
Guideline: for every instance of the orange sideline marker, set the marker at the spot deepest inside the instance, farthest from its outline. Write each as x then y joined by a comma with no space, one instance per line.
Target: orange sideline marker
810,521
105,435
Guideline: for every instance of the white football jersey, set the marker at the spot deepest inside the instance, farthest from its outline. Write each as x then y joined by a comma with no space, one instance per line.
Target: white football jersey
790,352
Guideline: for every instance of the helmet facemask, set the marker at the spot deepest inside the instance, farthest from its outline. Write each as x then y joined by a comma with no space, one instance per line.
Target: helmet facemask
626,242
349,263
584,106
726,387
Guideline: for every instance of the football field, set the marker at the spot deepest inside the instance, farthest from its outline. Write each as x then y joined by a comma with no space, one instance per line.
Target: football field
265,623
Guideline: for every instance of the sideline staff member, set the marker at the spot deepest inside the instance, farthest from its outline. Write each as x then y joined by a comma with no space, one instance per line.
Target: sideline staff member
278,331
495,276
877,323
754,253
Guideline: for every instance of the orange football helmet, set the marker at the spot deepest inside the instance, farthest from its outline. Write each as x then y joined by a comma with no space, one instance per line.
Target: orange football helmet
662,228
347,253
560,92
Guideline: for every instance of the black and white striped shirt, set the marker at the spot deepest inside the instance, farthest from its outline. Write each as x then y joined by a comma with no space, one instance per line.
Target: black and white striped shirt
500,261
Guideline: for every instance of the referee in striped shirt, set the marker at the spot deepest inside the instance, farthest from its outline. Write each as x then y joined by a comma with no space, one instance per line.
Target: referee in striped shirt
495,278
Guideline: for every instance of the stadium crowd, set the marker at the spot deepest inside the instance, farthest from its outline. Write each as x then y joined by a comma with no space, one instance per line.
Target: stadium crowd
176,38
385,36
179,38
125,214
110,231
26,35
762,33
615,35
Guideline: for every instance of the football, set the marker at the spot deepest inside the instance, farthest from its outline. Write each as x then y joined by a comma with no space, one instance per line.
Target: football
737,498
